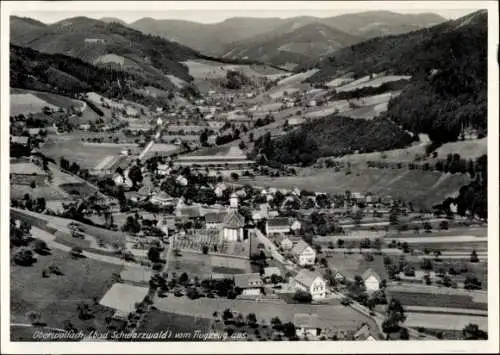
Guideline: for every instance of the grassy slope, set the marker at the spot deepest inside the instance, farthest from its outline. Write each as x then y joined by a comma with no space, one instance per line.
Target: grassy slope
57,297
418,186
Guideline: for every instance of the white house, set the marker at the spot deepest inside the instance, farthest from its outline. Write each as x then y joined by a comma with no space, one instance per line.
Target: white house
250,284
371,280
307,325
311,282
162,199
277,225
219,189
120,179
181,180
303,253
296,225
163,169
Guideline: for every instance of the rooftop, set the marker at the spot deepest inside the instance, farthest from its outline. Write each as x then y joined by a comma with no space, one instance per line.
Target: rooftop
278,222
234,220
252,280
300,247
306,277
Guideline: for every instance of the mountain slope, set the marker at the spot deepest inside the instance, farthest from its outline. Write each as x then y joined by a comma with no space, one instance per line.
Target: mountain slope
304,43
23,26
372,24
447,93
64,75
108,44
209,39
219,38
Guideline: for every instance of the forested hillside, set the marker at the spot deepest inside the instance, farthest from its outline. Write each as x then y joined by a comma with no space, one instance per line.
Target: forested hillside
57,73
448,63
331,136
91,40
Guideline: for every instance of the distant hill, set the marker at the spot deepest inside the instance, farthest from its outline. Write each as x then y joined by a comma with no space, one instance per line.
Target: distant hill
112,19
209,39
448,63
372,24
307,42
107,44
219,38
22,26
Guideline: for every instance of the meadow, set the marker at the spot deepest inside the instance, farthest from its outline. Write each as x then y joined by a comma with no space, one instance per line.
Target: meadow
57,296
423,188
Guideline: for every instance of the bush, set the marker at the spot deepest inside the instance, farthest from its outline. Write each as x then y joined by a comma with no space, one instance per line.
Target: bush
302,297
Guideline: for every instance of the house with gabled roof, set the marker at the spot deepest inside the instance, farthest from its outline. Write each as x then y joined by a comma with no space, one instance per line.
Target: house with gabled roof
250,284
303,253
278,225
308,325
311,282
371,280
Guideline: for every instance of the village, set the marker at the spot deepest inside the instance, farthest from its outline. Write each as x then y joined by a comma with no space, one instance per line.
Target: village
165,201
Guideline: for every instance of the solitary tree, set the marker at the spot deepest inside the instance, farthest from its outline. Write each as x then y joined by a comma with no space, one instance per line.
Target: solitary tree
473,257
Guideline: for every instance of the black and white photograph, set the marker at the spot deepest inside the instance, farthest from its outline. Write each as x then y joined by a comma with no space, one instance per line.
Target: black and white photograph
260,175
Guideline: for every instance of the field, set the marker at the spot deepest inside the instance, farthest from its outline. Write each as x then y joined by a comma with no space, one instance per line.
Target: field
337,316
27,103
367,82
208,70
469,149
444,321
88,156
57,297
203,266
182,327
49,192
423,188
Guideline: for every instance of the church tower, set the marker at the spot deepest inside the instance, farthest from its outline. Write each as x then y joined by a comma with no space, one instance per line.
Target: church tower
233,201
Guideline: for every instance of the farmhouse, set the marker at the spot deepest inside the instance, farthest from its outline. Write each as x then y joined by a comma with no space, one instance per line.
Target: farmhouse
303,253
162,199
250,284
307,325
284,242
24,173
311,282
371,280
277,225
